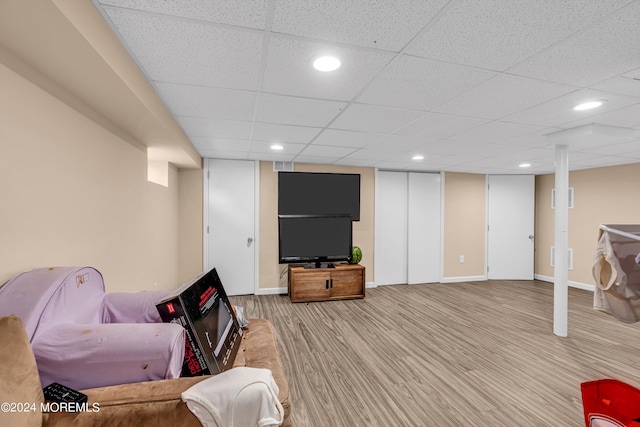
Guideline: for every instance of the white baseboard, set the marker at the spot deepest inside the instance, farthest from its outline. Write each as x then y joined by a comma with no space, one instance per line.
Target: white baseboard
463,279
271,291
577,285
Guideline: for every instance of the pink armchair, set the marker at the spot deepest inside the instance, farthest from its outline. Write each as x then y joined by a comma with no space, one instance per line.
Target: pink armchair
84,338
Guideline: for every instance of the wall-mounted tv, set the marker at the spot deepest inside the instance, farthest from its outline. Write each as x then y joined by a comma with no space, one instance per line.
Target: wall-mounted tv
314,239
315,193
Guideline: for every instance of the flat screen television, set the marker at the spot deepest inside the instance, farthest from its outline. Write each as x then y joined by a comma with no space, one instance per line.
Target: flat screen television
315,193
314,239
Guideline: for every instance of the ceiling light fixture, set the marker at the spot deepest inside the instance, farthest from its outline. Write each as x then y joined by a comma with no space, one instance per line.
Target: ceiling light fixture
587,105
326,63
277,147
418,157
524,165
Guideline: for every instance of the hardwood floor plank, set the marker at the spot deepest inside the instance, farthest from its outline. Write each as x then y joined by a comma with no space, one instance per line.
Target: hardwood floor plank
456,354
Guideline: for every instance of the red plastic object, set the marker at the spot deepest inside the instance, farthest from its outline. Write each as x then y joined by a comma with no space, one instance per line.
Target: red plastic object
610,403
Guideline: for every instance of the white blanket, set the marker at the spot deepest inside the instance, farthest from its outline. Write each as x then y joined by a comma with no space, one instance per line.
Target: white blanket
239,397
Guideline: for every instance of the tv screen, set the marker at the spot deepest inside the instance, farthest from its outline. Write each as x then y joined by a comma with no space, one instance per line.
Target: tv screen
314,238
313,193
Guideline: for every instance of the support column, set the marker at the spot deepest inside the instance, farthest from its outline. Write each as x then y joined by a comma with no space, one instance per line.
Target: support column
561,243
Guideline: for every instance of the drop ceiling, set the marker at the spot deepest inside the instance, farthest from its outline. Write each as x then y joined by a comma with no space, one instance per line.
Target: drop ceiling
472,85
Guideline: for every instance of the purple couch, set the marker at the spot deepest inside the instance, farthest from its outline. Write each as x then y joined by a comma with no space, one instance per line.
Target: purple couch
84,338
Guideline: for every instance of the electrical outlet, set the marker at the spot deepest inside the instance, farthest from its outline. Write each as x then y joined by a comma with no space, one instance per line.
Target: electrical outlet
461,259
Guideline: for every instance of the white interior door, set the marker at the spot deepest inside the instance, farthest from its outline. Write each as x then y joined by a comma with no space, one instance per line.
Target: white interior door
423,238
230,217
391,228
511,209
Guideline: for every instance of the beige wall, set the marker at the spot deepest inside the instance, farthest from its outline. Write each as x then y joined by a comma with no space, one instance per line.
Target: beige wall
464,224
190,230
601,196
272,274
74,194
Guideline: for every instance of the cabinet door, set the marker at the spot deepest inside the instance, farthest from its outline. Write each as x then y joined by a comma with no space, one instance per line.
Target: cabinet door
310,286
347,283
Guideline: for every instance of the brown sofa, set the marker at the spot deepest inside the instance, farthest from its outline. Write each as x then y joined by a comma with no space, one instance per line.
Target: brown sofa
156,403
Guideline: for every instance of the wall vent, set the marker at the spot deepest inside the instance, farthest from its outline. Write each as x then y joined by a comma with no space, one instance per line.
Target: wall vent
283,166
569,261
553,198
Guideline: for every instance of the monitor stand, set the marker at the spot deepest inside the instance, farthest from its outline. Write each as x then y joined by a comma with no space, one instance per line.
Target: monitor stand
320,265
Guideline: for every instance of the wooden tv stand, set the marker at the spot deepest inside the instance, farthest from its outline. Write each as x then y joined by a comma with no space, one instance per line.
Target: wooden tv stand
345,281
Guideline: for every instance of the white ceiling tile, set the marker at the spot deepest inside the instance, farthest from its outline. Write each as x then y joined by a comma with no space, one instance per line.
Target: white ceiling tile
383,24
537,154
438,126
421,84
502,33
503,95
600,52
493,132
297,111
400,143
373,118
315,159
560,111
346,138
446,147
175,50
326,151
223,154
494,162
246,13
289,69
371,154
625,85
387,164
486,150
215,128
633,74
457,159
288,148
354,162
271,157
283,133
210,102
477,89
536,139
220,144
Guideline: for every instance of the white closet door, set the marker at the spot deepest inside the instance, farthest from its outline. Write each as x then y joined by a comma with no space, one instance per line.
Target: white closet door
423,239
391,228
231,223
511,223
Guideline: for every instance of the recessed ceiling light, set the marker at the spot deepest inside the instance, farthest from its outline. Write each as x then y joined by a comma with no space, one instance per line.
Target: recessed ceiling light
524,165
418,157
277,147
326,63
587,105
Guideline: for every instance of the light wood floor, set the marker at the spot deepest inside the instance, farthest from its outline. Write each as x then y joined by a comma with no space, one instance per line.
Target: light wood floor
464,354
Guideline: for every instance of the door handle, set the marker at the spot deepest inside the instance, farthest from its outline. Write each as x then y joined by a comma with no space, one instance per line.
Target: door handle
531,236
249,241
